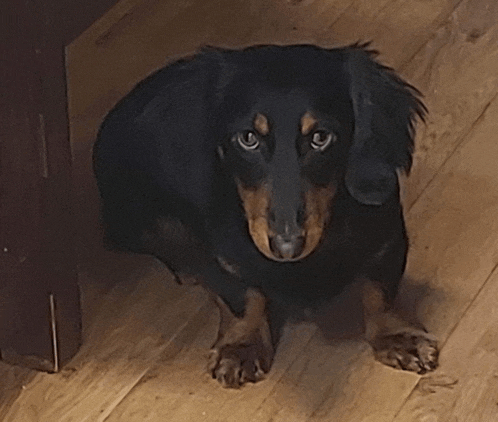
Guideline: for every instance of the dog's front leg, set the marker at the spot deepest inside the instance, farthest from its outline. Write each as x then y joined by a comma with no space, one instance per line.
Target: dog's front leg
395,341
243,351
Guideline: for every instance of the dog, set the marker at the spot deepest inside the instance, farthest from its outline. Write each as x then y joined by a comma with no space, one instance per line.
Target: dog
272,173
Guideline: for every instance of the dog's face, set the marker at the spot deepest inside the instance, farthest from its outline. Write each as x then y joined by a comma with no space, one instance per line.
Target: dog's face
285,152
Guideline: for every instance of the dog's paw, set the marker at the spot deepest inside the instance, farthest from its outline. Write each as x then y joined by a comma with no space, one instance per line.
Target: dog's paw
411,350
234,364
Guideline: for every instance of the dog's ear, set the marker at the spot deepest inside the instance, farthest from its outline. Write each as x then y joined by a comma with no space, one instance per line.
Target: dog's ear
385,109
163,128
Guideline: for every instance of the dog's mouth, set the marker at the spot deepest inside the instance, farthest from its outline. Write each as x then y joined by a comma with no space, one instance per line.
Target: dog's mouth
287,245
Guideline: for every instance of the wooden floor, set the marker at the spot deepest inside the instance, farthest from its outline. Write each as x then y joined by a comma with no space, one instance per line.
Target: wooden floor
146,338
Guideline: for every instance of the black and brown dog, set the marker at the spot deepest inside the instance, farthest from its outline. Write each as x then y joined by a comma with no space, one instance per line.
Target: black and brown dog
272,173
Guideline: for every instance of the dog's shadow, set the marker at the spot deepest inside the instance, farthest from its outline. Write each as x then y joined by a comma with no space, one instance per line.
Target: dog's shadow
342,317
343,357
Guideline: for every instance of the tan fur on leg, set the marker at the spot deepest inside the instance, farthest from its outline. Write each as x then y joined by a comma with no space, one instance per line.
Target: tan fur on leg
243,351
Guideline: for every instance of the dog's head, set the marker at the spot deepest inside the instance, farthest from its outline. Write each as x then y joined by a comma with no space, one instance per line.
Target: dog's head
290,126
300,121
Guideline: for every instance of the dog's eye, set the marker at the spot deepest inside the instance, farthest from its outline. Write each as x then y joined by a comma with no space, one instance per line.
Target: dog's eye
322,140
247,140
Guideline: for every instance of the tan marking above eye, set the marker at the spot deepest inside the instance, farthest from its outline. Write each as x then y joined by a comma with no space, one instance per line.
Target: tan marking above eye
308,121
261,124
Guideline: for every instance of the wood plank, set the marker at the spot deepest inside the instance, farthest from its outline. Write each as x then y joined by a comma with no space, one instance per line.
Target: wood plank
466,385
299,22
14,380
456,70
182,390
171,381
129,334
454,227
397,28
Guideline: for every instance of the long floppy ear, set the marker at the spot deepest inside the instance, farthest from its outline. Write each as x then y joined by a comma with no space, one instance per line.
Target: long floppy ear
161,130
385,109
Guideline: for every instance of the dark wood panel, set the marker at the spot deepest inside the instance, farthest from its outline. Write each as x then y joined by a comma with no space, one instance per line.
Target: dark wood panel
39,299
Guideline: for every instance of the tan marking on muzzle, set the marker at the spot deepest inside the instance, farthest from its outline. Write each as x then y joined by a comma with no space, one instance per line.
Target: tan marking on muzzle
256,203
308,121
317,214
261,124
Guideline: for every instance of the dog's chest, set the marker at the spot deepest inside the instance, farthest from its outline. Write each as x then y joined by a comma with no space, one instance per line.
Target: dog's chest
303,283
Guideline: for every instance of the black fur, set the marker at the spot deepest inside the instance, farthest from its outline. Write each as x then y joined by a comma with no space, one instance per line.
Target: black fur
158,152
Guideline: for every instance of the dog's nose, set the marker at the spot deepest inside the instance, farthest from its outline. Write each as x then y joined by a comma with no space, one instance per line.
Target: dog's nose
287,246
